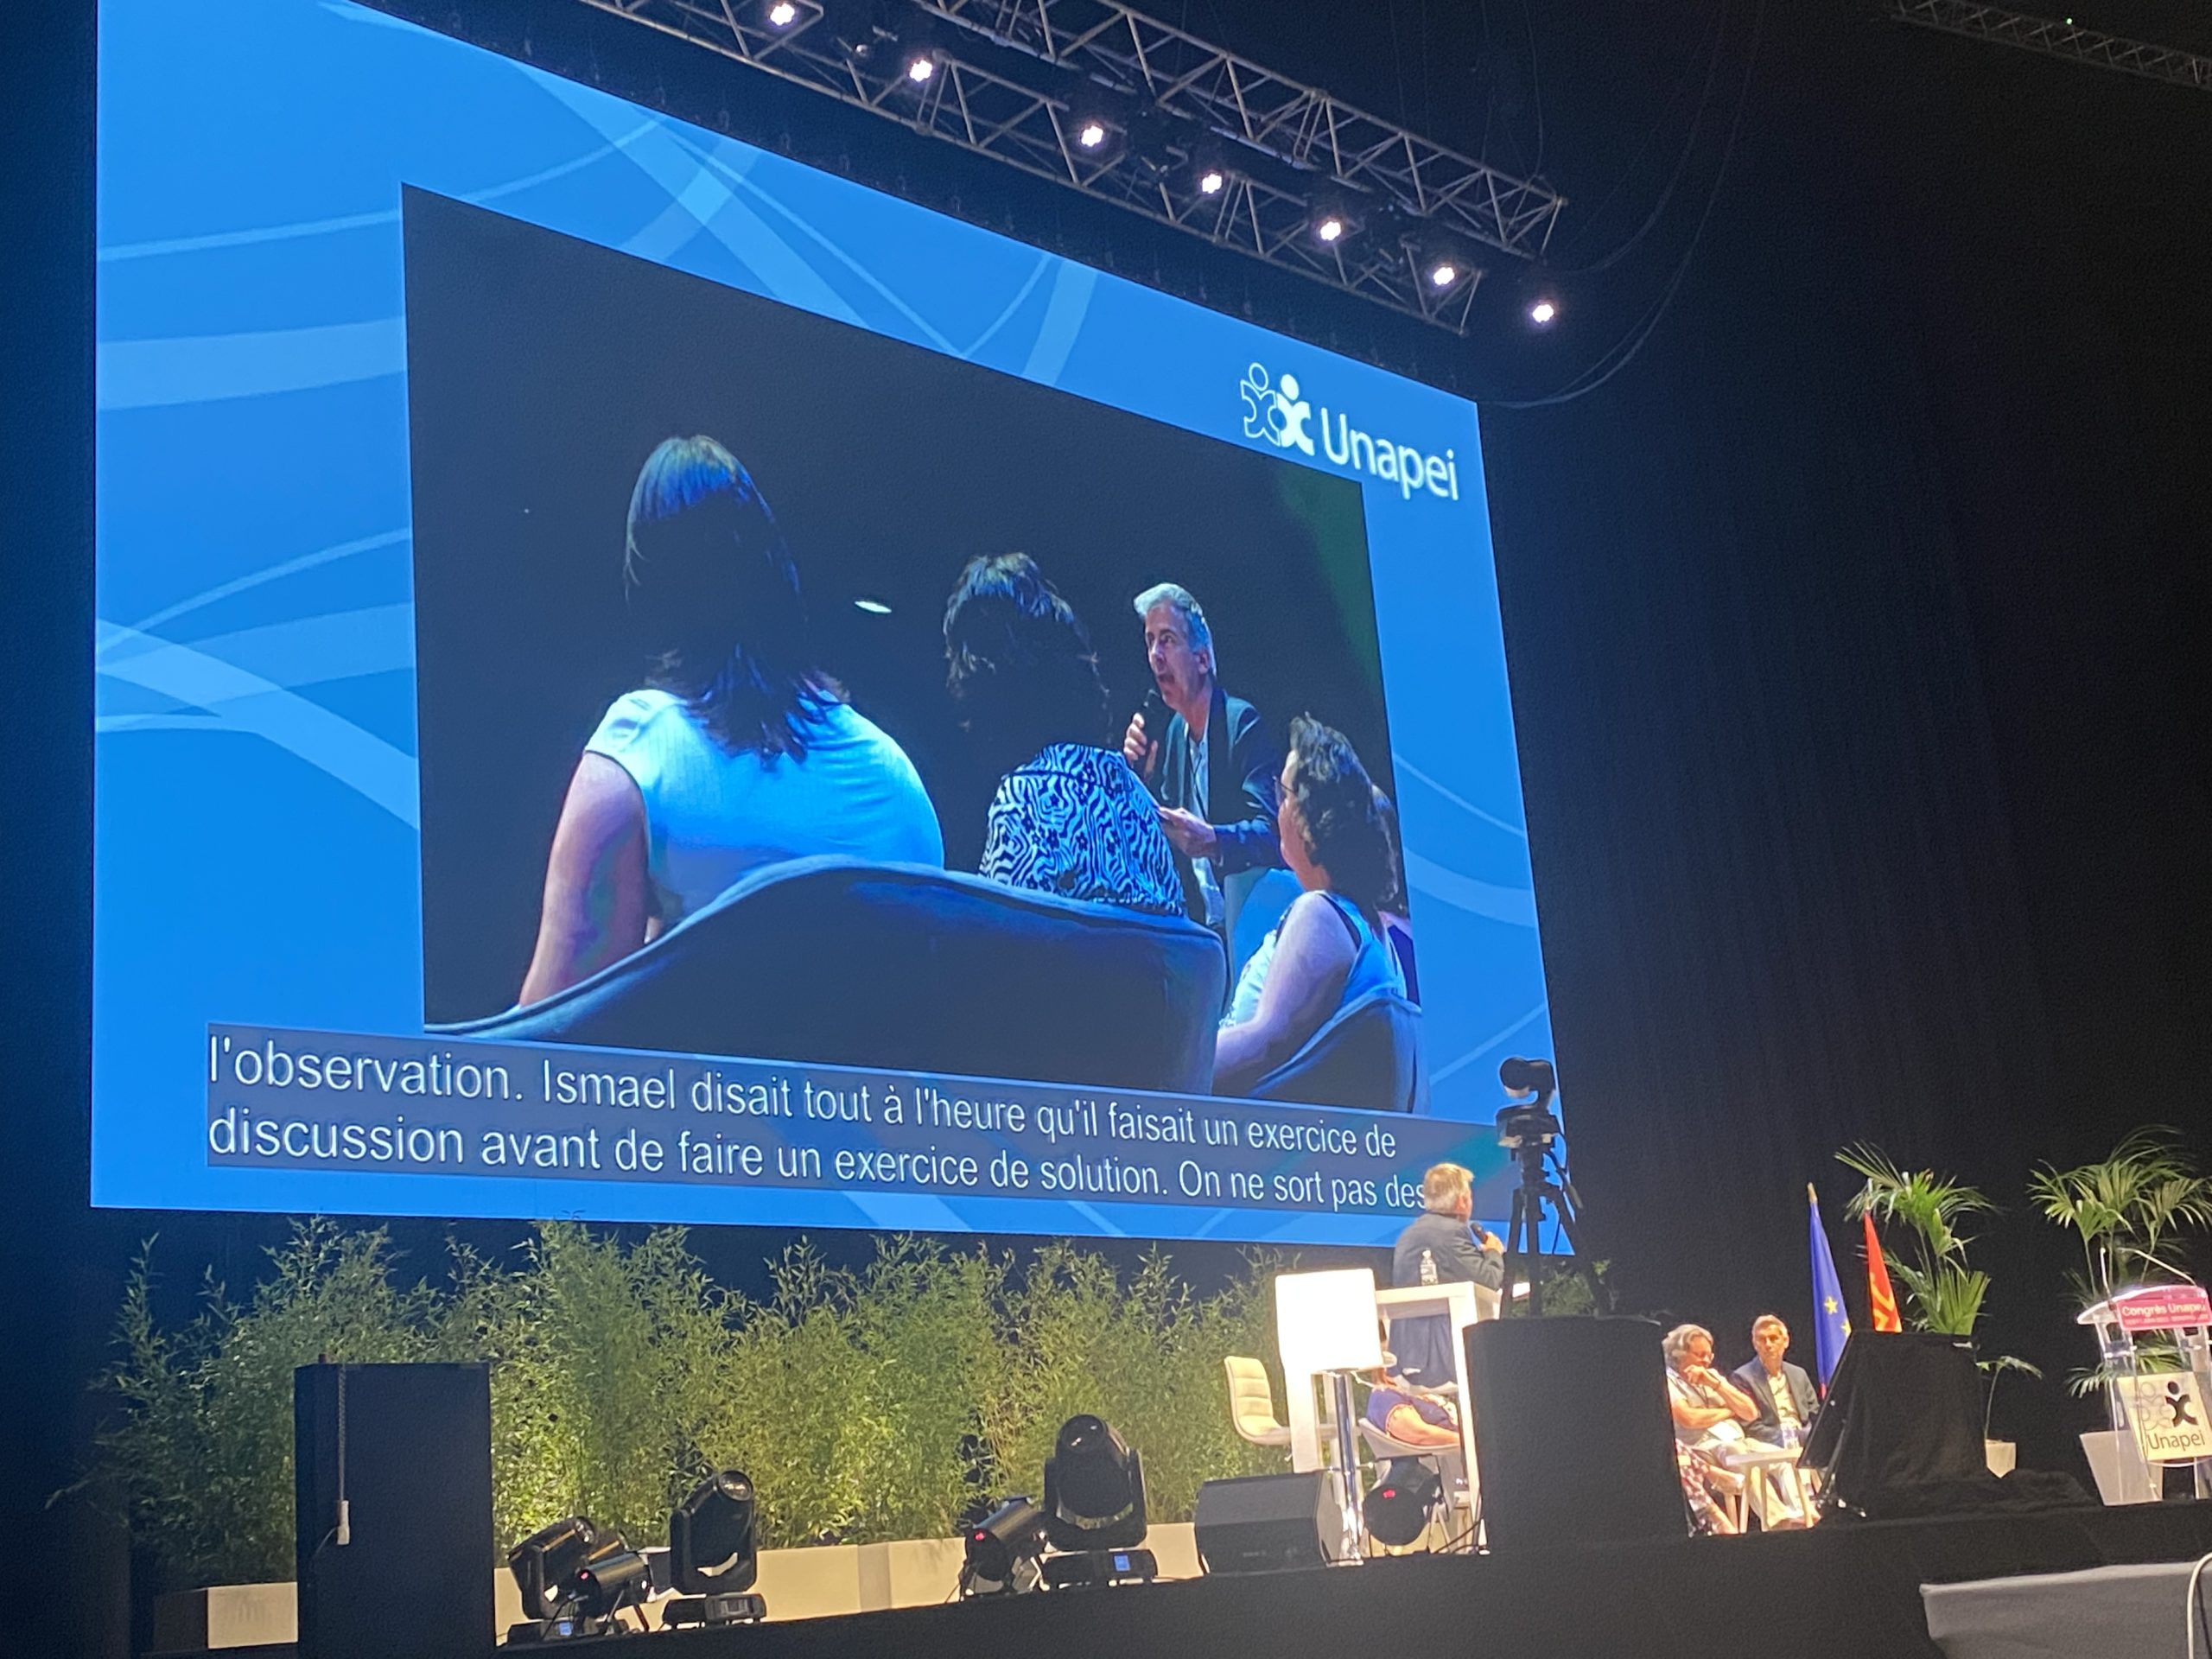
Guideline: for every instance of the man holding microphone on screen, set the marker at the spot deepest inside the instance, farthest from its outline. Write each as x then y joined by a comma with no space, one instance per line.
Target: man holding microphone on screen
1207,759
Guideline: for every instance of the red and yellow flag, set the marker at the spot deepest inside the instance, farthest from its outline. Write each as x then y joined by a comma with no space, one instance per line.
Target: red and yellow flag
1881,1300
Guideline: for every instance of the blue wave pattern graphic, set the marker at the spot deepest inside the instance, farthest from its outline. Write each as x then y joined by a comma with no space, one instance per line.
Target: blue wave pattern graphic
255,850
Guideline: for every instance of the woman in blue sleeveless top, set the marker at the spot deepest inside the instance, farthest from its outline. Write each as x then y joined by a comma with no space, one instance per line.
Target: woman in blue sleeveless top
1329,948
737,750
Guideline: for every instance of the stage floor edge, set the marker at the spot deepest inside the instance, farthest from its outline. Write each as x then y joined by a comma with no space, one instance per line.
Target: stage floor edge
1851,1590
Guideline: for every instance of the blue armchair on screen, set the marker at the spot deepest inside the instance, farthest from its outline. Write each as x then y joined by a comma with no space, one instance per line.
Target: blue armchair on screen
1368,1055
844,962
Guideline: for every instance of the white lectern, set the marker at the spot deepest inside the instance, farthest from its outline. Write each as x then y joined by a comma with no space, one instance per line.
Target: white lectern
1326,1325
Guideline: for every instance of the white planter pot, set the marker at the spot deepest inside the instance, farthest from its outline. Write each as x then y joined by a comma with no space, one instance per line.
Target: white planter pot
2001,1456
2121,1476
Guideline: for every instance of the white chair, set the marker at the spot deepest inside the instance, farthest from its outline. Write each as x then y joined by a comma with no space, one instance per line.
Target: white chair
1252,1406
1384,1447
1252,1403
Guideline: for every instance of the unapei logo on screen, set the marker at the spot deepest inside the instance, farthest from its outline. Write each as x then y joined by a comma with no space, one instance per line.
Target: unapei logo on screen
1276,410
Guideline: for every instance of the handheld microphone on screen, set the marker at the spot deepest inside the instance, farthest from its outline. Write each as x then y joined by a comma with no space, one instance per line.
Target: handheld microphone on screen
1155,714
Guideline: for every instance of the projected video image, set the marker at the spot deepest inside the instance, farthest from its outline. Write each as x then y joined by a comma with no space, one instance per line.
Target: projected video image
631,486
641,680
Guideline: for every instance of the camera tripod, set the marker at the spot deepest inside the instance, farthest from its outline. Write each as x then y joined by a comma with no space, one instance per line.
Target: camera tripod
1529,1131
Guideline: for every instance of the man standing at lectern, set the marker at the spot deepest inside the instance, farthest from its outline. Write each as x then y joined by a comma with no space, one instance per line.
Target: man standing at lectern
1443,1246
1207,759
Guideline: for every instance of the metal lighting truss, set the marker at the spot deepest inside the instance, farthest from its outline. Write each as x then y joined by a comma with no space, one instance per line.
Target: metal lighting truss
2058,39
1119,106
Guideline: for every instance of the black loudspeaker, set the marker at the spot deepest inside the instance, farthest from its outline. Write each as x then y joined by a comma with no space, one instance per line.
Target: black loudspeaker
1901,1431
392,1476
1269,1523
1573,1437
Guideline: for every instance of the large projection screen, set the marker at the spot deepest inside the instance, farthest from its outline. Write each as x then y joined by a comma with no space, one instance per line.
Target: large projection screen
388,327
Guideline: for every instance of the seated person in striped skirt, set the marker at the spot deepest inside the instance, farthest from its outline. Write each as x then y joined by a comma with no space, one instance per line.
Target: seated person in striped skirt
1068,816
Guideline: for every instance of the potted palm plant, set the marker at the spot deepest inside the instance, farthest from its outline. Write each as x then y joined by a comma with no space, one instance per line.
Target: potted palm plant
1942,1290
2132,1210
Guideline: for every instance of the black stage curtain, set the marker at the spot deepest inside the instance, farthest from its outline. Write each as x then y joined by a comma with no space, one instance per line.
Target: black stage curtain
1848,630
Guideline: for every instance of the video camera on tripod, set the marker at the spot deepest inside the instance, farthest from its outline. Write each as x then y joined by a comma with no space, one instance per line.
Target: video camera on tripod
1528,1123
1527,1128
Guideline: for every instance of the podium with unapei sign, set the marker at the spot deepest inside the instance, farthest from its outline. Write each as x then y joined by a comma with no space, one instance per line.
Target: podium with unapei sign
2157,1410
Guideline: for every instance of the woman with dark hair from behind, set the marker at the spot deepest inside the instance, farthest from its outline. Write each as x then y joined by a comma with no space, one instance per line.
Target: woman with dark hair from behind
1392,906
1068,816
736,751
1328,951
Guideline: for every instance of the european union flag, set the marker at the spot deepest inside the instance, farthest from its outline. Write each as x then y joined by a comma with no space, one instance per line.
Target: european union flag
1831,1324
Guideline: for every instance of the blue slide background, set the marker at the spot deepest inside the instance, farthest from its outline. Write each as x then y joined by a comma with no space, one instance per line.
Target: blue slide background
255,855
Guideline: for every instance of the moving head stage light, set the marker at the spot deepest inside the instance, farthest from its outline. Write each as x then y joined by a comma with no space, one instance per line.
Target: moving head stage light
713,1554
1400,1505
543,1563
1002,1551
1094,1507
575,1580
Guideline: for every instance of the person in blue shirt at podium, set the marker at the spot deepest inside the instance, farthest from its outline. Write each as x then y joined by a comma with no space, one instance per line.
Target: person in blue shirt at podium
1444,1245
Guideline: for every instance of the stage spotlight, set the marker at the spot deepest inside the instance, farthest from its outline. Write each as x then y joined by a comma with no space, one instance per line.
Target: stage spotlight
712,1554
873,607
1443,274
1090,134
1094,1489
783,14
1329,227
612,1577
1002,1551
1398,1507
920,68
1094,1507
574,1580
1212,180
1542,312
545,1563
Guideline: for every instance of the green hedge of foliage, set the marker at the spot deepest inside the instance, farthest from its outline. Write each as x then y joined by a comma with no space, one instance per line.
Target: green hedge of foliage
867,1406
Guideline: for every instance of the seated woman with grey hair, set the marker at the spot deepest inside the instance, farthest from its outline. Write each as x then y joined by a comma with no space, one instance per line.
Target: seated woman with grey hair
1329,948
1709,1413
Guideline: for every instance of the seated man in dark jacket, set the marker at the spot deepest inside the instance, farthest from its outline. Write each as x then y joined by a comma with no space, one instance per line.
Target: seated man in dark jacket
1781,1391
1443,1246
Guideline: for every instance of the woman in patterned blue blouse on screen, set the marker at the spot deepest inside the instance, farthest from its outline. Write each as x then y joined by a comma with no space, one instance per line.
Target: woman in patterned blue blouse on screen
1069,816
